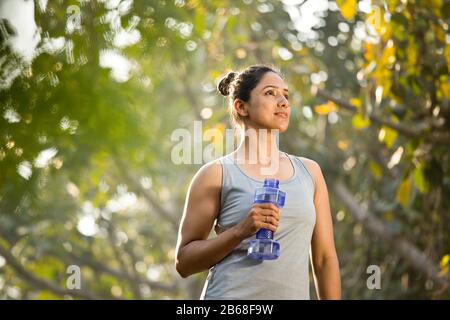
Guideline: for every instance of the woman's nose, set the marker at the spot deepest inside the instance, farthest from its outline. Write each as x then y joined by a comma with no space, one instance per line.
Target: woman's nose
283,102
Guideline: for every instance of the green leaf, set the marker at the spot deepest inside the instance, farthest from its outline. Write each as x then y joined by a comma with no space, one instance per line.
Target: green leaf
419,179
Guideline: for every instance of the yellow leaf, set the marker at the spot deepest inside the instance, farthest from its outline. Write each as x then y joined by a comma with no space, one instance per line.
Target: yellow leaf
376,19
411,51
403,192
375,169
382,73
348,8
445,260
215,134
447,55
388,216
355,102
387,136
387,33
218,139
47,295
369,54
391,5
386,84
388,56
220,127
214,74
359,122
342,144
439,32
436,6
445,89
444,264
325,108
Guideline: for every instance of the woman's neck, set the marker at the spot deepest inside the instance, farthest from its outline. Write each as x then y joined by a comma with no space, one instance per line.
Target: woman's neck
259,146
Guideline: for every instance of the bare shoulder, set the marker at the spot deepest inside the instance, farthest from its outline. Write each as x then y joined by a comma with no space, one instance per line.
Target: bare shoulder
312,166
309,162
210,174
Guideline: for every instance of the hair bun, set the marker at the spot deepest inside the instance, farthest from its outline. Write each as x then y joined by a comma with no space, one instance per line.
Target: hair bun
224,84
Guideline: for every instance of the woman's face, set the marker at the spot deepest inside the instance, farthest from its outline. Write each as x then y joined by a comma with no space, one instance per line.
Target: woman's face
268,106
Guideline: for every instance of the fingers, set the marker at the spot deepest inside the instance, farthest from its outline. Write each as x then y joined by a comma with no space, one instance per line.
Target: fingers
267,212
261,215
266,216
270,226
271,220
267,205
270,223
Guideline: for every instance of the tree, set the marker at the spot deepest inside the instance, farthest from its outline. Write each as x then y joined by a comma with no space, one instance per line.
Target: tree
86,177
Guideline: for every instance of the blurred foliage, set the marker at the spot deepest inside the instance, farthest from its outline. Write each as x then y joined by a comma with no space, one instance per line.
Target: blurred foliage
85,172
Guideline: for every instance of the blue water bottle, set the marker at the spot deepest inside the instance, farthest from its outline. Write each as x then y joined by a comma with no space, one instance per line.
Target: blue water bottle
264,247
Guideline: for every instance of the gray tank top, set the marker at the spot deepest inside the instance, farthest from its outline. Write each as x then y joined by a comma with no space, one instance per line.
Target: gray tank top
239,277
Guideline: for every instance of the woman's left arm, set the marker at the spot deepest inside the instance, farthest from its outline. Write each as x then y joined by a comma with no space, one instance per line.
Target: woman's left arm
323,252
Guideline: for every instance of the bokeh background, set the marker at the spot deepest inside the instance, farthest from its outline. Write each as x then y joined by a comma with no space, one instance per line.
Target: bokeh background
91,92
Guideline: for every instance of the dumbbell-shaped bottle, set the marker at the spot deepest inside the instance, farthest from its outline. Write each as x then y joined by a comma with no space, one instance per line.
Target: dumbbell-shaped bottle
264,247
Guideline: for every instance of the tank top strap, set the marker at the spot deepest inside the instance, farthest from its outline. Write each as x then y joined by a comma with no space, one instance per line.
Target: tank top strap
231,176
304,174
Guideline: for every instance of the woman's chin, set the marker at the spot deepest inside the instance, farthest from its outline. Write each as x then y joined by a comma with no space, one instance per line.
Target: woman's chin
281,127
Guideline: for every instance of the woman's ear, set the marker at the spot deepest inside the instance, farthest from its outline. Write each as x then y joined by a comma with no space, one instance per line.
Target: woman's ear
240,107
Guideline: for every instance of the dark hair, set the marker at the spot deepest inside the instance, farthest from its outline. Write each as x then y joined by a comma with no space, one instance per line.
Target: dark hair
239,86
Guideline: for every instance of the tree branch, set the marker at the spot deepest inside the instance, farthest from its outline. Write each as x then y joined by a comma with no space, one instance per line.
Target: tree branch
86,259
406,131
191,97
42,284
415,257
163,213
112,242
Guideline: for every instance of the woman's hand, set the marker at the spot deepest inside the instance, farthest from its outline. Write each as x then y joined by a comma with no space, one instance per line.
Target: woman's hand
261,215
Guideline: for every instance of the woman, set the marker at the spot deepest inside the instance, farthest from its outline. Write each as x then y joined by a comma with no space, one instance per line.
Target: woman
223,191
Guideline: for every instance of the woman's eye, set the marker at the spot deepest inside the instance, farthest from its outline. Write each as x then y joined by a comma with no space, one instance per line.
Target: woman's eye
270,92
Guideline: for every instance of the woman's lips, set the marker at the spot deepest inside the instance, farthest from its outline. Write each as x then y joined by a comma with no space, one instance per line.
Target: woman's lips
281,114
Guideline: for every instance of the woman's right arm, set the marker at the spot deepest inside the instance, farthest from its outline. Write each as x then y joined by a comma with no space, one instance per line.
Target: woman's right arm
195,252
